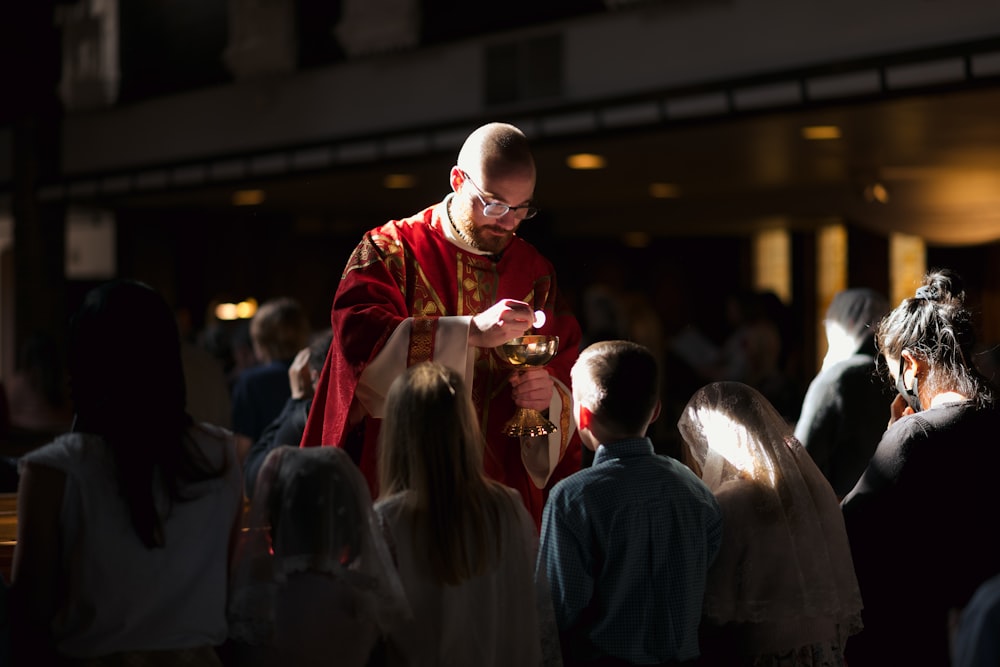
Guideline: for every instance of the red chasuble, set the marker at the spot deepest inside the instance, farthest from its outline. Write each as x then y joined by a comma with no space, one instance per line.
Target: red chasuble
408,268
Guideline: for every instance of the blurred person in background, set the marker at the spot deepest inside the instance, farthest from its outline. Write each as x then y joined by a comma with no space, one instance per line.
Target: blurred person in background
279,329
38,392
843,413
287,427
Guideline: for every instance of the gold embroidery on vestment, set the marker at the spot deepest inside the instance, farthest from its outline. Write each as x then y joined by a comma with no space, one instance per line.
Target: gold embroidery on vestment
421,340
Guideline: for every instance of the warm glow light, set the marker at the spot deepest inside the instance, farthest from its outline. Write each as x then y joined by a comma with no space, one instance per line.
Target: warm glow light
664,190
248,197
907,265
876,192
246,309
636,239
821,132
772,262
226,311
831,277
586,161
399,181
243,310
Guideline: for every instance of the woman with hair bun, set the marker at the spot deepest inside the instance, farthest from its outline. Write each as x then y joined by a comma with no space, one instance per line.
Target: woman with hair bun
919,519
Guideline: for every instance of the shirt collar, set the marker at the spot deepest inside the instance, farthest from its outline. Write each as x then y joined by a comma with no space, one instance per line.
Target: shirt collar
623,449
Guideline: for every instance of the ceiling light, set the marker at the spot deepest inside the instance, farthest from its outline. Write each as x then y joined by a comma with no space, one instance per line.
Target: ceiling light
876,192
664,190
248,197
636,239
820,132
399,181
586,161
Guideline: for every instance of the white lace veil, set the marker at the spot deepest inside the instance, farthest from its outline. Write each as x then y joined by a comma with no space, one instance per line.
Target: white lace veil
311,512
792,559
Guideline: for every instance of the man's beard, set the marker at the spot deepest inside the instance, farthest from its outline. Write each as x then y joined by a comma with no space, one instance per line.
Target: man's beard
483,239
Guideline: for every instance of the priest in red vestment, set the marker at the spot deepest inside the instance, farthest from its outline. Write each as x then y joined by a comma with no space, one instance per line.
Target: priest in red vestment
451,284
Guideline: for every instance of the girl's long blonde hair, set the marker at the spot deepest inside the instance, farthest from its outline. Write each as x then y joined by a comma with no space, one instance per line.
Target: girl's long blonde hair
430,445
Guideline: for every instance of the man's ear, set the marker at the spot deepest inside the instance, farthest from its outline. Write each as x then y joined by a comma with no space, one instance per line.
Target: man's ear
456,178
583,417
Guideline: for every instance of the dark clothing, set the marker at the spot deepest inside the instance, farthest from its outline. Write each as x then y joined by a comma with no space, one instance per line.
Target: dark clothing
286,429
921,521
843,418
615,662
258,396
625,546
977,639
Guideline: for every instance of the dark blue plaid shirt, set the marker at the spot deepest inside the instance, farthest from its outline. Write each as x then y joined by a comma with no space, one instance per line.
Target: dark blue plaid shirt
625,545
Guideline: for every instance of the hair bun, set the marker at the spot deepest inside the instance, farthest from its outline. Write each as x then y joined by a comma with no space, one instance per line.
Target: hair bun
941,285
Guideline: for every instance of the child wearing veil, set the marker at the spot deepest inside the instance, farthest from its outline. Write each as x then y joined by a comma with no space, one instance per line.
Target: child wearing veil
782,590
313,582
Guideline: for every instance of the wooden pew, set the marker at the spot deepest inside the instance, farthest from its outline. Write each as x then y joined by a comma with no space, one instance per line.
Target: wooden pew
8,532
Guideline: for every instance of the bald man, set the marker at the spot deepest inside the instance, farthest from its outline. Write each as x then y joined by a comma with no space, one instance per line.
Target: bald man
451,284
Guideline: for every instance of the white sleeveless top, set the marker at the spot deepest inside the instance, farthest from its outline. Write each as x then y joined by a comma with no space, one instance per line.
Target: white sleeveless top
122,596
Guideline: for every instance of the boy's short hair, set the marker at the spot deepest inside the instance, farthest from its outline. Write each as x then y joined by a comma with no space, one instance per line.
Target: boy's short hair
618,381
281,327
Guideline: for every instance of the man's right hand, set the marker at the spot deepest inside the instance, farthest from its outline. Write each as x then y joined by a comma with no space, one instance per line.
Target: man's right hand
504,320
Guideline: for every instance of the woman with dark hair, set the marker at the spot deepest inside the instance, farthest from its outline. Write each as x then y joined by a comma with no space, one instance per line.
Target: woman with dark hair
782,591
125,523
465,546
918,519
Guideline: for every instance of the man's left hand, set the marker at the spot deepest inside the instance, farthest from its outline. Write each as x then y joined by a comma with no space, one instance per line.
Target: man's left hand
531,388
299,378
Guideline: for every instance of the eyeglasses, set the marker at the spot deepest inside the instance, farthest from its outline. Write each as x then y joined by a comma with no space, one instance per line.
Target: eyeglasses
495,209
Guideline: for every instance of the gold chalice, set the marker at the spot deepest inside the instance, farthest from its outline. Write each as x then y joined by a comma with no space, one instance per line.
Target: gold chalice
529,351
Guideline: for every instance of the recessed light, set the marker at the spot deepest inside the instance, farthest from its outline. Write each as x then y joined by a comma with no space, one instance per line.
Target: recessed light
586,161
248,197
821,132
876,192
636,239
664,190
399,181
